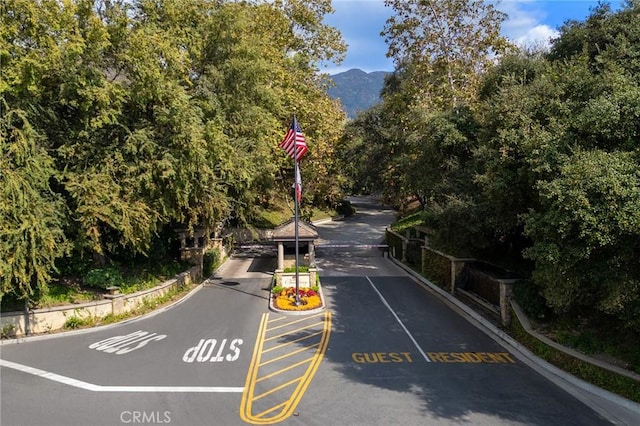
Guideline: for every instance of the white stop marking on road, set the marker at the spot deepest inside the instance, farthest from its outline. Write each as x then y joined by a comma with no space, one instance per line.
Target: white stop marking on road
120,345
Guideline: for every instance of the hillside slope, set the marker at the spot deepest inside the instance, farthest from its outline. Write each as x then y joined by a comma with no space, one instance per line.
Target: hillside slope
357,90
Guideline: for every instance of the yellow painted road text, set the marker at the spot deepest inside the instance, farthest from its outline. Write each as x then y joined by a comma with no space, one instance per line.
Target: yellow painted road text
472,357
381,357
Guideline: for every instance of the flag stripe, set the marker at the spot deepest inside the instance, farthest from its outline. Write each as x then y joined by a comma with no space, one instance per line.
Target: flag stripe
294,142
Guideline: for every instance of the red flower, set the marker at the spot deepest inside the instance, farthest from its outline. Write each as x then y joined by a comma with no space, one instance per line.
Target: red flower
303,292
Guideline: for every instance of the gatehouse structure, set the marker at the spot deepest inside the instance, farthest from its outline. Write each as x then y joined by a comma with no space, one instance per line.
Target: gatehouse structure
284,236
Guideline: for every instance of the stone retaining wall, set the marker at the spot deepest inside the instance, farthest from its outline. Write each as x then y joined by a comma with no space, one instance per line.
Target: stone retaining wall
52,319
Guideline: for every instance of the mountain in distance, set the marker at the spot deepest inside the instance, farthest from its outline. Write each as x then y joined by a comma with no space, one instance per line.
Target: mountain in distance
357,90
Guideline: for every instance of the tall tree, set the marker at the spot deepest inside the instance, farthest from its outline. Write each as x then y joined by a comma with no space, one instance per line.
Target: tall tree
448,43
154,114
32,216
309,36
587,236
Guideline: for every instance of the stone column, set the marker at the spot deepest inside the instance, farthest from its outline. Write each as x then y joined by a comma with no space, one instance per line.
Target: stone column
312,254
457,267
313,272
454,269
506,293
117,303
280,255
404,250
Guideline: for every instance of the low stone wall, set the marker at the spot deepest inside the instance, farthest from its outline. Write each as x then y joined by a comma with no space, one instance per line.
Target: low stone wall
52,319
456,275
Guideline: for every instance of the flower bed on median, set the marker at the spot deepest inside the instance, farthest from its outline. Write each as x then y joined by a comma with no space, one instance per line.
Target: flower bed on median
285,299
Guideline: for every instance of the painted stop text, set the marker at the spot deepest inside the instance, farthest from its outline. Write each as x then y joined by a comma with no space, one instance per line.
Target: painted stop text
205,349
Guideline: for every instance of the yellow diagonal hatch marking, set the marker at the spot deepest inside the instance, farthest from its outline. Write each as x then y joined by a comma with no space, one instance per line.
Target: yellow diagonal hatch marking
253,408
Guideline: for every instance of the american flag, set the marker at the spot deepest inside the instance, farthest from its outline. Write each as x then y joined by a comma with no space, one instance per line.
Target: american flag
294,142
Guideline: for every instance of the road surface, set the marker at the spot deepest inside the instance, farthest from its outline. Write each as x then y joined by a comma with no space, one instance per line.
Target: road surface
384,352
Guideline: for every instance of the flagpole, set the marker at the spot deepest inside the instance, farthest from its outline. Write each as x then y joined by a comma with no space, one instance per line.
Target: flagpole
296,208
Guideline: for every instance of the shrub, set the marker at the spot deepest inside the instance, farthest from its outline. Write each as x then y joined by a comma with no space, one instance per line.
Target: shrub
437,268
345,208
8,331
529,297
210,261
103,277
414,253
293,269
75,322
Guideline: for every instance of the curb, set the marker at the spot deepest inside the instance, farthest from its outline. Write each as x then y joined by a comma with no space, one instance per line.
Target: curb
327,220
568,382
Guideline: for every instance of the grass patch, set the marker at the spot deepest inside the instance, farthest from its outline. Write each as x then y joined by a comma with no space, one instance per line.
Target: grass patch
92,285
279,211
408,221
60,294
77,322
621,348
320,214
293,269
272,218
136,278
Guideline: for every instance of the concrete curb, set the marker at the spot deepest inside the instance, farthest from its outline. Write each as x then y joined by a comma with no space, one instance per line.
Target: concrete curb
606,403
327,220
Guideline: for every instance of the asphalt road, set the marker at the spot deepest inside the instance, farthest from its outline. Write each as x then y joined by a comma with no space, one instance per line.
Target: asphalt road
385,352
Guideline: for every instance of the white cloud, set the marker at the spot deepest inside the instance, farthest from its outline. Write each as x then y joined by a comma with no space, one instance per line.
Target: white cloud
525,24
538,36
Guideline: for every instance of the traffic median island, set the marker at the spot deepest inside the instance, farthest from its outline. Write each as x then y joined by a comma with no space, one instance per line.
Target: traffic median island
288,300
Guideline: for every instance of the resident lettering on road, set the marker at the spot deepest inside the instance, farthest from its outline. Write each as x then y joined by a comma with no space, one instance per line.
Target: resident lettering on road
203,351
448,357
381,357
472,357
120,345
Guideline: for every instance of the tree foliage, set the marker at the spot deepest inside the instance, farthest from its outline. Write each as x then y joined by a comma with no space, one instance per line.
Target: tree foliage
447,44
146,115
587,235
31,214
542,169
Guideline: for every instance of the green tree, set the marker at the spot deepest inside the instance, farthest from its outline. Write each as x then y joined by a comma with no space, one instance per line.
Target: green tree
31,214
605,37
165,114
448,44
362,153
522,138
587,236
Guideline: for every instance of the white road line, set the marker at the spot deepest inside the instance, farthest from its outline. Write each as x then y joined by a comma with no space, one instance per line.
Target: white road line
426,358
98,388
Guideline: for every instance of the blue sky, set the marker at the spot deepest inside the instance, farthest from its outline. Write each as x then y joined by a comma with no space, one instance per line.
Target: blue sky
361,21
